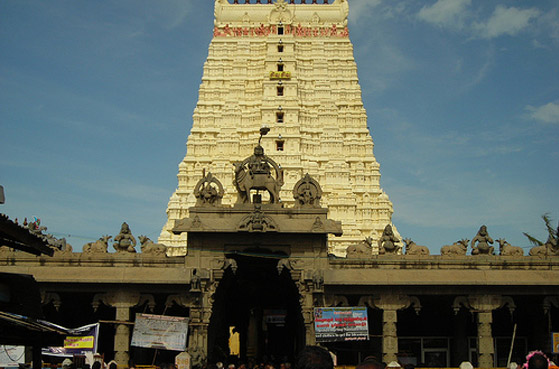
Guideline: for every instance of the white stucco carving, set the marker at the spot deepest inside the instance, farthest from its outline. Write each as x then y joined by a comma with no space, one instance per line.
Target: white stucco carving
323,126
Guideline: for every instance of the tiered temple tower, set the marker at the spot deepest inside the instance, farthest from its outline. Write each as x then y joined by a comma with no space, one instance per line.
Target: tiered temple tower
290,67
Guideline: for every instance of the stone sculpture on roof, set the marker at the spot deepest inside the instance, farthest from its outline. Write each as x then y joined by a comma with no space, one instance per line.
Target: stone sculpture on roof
257,221
208,191
414,249
307,192
506,249
149,247
124,241
255,173
483,240
100,246
361,250
458,248
388,242
549,248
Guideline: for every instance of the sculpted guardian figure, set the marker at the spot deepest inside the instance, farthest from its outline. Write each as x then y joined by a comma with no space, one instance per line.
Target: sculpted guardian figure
388,242
124,241
483,240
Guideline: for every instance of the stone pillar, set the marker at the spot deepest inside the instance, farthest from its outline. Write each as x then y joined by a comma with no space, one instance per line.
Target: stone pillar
389,335
305,285
486,345
390,304
307,309
121,300
484,305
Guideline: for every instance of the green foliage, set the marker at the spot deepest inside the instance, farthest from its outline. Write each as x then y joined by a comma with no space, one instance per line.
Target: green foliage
552,233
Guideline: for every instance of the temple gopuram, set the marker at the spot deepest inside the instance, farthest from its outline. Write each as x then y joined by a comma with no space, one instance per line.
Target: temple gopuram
279,216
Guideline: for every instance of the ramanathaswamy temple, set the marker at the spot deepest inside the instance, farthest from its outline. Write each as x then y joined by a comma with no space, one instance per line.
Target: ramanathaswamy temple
279,211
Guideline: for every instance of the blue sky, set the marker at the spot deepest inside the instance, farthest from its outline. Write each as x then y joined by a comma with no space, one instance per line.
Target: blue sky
462,97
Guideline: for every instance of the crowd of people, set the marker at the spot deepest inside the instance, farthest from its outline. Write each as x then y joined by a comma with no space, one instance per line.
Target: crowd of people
313,357
316,357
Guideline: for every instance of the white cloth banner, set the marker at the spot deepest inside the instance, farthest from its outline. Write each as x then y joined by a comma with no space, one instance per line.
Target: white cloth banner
160,332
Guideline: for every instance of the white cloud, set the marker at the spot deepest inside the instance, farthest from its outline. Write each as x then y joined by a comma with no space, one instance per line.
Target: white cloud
548,113
456,14
505,21
360,8
445,13
482,72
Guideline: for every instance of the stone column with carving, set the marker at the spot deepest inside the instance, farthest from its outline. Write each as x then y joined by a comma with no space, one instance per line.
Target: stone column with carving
305,288
390,304
198,328
484,305
122,301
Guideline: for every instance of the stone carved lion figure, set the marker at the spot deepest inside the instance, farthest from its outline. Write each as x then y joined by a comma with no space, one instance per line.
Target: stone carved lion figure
151,248
414,249
459,248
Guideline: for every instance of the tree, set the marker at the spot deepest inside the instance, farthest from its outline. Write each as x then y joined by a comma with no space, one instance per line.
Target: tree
553,234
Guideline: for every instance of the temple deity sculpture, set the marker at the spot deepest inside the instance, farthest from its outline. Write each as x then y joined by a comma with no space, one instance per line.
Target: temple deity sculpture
388,242
255,173
208,191
307,192
483,240
124,241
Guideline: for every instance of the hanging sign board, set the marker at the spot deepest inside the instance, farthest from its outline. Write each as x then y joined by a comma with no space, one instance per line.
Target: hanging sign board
333,324
80,341
160,332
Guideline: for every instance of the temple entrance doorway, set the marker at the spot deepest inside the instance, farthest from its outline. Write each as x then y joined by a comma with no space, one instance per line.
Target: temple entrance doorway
256,312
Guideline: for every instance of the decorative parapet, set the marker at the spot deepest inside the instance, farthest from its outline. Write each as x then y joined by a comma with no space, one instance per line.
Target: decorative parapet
466,272
287,12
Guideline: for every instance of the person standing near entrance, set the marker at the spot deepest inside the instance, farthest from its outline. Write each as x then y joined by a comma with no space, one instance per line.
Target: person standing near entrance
314,357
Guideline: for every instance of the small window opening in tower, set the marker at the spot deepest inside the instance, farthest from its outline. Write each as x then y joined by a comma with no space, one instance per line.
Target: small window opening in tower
279,145
280,30
279,117
280,48
279,90
280,67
